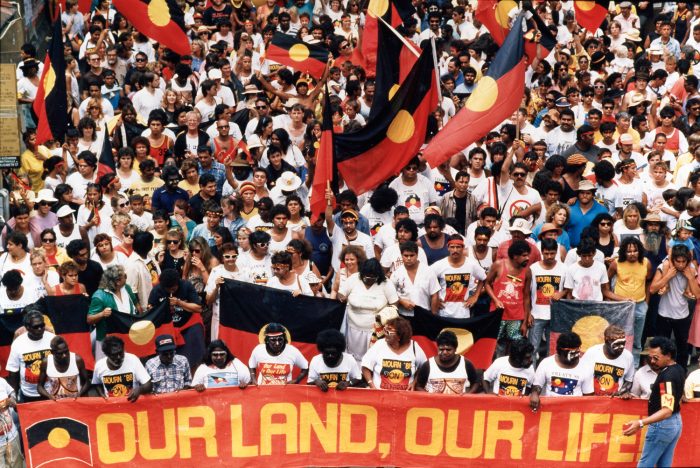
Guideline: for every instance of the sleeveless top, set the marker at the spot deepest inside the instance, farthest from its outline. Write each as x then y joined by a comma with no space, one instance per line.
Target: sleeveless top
220,154
59,292
62,384
510,290
279,246
433,255
606,249
449,383
631,280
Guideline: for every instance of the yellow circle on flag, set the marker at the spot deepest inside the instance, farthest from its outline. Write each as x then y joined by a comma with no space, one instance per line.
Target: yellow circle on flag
377,7
484,96
590,329
142,332
585,5
395,87
465,339
299,52
59,438
502,10
49,80
158,12
401,128
259,3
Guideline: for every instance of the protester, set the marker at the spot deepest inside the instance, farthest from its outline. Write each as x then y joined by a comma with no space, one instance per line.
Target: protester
512,375
169,372
120,374
448,372
62,373
220,368
333,368
272,362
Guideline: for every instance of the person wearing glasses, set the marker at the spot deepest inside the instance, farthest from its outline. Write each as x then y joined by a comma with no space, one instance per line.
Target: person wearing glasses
53,255
285,278
227,270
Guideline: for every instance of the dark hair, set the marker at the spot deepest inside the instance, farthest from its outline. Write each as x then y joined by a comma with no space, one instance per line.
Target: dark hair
604,171
680,251
521,347
548,244
206,179
75,246
518,247
568,340
143,243
447,338
409,225
302,246
666,345
110,342
372,267
279,210
626,242
347,196
488,211
330,338
408,246
12,279
587,246
258,237
169,278
383,199
483,231
18,238
212,346
434,218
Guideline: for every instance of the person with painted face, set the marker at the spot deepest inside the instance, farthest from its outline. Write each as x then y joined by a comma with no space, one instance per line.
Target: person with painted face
333,368
447,372
62,373
120,374
562,374
512,375
610,364
164,197
220,368
272,362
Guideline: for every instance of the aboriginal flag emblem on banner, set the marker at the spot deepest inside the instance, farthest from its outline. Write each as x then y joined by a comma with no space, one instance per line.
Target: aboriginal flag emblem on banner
476,335
496,97
160,20
247,308
9,323
591,14
64,440
295,53
589,319
50,104
139,332
68,317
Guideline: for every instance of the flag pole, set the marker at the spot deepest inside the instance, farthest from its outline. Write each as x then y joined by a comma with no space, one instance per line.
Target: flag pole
437,71
403,39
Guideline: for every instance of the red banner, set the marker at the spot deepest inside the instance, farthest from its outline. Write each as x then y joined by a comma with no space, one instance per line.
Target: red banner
299,425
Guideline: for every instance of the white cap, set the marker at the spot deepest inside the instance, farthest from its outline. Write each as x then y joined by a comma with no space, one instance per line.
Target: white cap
45,195
214,74
65,210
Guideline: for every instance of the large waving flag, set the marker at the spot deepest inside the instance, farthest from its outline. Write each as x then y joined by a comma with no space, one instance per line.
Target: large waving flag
139,332
476,335
247,308
590,14
105,164
496,97
325,171
393,12
370,156
161,20
68,316
295,53
395,59
51,102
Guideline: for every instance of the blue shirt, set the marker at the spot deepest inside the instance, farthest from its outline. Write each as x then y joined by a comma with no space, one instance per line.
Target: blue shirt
218,170
579,221
562,240
163,199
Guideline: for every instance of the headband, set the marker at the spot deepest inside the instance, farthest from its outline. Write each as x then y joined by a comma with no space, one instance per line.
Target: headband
455,242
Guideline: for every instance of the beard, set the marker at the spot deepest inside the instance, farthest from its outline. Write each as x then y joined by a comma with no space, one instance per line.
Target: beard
652,241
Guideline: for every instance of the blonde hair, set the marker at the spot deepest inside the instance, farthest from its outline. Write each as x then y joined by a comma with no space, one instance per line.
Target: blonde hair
118,218
554,209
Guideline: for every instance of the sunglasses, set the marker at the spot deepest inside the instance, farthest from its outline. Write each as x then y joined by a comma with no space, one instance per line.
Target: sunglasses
222,126
230,257
262,244
140,60
122,205
129,235
605,224
44,203
196,250
607,107
261,107
173,241
519,174
48,241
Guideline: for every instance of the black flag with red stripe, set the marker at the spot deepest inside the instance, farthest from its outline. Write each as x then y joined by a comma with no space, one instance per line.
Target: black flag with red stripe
68,316
293,52
50,104
247,308
161,20
139,332
9,323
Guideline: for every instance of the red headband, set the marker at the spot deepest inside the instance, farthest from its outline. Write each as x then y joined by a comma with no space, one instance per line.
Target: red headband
455,242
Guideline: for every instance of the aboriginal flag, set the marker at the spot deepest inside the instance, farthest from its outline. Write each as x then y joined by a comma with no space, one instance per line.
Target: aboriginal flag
139,332
68,316
325,170
105,165
161,20
9,323
496,97
368,157
295,53
58,440
247,308
476,335
591,14
394,12
395,59
589,319
51,102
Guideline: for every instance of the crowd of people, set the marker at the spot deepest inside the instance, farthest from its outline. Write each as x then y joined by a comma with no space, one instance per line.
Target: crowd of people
590,191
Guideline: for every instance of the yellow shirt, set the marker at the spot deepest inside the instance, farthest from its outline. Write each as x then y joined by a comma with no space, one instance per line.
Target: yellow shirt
631,280
34,166
191,189
631,132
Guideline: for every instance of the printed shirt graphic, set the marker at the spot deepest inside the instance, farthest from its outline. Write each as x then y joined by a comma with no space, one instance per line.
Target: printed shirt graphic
606,378
273,373
457,286
118,385
446,386
32,363
222,379
62,387
547,285
395,374
333,378
562,385
511,385
276,370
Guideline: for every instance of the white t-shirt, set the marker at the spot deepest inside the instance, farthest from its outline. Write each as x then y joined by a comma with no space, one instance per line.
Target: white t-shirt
34,283
418,291
339,241
10,306
234,374
10,429
514,202
363,303
276,370
608,374
455,285
299,284
377,221
585,283
628,193
254,270
392,259
119,382
346,370
507,380
25,358
415,197
557,381
543,285
559,141
219,271
391,371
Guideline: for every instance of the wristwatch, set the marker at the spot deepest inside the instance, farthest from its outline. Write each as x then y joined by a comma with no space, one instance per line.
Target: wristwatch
641,424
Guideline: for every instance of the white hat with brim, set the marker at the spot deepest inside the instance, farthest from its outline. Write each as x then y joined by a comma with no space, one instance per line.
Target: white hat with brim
45,195
65,210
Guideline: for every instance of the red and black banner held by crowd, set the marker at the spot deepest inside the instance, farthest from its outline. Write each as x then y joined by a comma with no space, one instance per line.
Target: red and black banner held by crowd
293,52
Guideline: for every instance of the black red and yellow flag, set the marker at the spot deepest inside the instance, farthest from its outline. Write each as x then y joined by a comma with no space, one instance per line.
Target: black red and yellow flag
297,54
247,308
394,12
476,335
495,16
65,440
9,323
591,13
161,20
496,97
395,59
139,332
51,102
370,156
105,164
325,159
68,317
